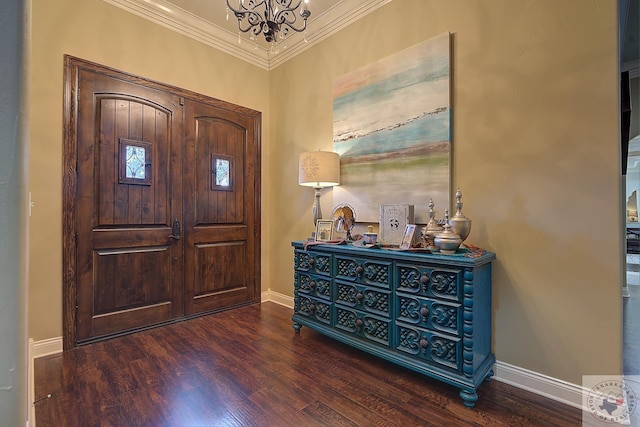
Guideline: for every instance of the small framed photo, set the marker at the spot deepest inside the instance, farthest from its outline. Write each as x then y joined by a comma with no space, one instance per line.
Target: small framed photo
407,237
324,230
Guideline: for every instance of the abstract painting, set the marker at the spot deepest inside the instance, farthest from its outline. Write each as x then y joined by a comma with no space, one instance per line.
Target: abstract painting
392,129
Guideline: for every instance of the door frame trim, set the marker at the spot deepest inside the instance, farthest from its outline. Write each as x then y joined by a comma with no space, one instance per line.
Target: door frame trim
72,66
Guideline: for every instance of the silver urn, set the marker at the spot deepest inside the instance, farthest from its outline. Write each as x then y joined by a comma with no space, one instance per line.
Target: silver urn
460,223
448,241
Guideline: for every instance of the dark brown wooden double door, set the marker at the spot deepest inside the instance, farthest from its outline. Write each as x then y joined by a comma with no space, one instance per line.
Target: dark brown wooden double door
161,203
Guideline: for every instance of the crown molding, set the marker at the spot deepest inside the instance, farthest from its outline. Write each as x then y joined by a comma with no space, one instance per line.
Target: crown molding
334,19
179,20
168,15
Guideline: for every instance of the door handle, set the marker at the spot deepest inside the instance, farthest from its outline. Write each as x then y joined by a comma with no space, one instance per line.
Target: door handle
175,230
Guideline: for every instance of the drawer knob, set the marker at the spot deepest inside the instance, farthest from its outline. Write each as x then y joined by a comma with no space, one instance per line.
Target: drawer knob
359,323
359,296
424,311
359,270
312,308
424,279
312,285
311,261
424,344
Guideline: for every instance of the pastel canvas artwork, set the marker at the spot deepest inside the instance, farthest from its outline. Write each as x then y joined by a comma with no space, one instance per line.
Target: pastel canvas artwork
391,127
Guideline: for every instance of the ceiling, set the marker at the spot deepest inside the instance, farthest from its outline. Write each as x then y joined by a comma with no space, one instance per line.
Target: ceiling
206,21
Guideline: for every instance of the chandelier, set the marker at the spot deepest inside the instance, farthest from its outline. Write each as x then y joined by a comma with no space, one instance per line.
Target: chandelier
273,18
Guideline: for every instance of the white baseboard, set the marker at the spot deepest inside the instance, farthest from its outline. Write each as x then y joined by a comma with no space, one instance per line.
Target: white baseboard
46,347
552,388
278,298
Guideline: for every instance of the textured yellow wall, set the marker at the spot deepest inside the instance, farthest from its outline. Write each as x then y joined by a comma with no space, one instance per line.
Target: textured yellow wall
535,152
102,33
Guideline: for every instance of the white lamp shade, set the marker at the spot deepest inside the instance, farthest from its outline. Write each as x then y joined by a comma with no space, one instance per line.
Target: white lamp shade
319,169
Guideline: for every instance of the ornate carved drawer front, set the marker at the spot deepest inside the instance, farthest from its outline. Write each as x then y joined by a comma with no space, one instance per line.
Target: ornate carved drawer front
370,327
439,350
313,308
432,314
430,281
365,271
364,298
314,285
313,262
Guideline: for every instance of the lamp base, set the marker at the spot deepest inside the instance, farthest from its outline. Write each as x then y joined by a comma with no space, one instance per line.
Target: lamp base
317,213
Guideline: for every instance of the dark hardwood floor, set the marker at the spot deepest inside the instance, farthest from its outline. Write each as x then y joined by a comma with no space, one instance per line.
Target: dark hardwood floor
246,367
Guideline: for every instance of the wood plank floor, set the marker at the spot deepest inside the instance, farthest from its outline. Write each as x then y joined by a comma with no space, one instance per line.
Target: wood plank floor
246,367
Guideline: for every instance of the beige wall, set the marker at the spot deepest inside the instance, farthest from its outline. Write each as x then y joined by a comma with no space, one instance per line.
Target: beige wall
535,152
99,32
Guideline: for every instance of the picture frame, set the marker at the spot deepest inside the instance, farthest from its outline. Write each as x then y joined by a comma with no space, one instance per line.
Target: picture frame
407,237
324,230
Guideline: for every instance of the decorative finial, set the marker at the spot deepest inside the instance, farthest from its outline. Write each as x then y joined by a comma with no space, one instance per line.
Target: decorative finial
432,228
460,223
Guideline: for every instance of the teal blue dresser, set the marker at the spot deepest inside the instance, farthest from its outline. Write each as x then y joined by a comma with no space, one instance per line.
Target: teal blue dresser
427,312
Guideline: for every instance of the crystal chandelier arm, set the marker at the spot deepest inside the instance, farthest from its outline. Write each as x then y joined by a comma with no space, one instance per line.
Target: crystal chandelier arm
272,18
253,17
289,25
287,15
253,5
254,27
253,24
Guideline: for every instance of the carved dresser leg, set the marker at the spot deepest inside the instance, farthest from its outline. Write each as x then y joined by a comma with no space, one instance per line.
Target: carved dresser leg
469,397
296,327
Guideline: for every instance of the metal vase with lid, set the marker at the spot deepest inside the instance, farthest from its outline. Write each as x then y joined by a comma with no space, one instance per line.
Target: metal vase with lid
448,241
460,223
